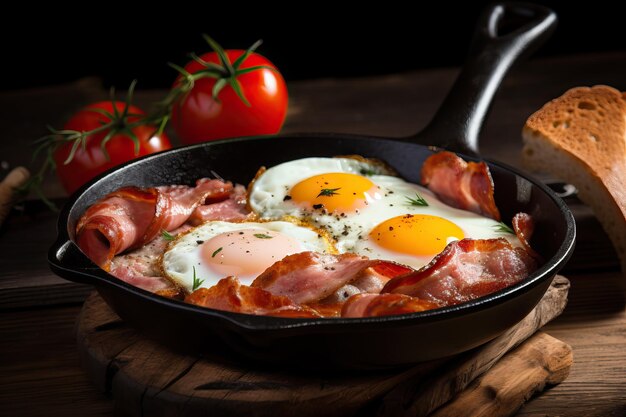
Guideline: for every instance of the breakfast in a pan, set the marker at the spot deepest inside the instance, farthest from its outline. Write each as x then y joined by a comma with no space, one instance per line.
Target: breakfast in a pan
316,237
318,270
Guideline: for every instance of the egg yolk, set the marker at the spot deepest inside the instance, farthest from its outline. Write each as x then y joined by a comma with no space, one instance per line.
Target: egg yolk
247,253
416,234
335,192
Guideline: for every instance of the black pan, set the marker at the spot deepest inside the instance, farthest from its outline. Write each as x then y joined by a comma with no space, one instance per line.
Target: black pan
364,343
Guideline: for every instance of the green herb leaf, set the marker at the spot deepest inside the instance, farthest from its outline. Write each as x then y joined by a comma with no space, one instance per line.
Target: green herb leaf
196,282
167,235
218,250
262,236
504,228
329,192
367,172
417,201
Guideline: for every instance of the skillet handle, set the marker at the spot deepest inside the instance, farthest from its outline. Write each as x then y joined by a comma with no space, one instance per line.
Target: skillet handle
457,123
67,261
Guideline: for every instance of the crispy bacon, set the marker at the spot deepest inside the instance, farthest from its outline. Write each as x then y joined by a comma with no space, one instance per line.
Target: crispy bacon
356,305
142,268
131,217
231,209
309,284
115,223
220,190
147,282
465,185
465,270
307,277
386,304
295,312
371,281
229,295
176,203
524,227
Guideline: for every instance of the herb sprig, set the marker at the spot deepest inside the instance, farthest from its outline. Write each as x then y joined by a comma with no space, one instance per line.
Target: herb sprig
167,235
196,281
329,192
504,228
262,236
418,200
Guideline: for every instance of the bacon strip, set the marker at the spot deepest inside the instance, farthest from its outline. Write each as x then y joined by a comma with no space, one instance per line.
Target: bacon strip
115,223
220,190
147,282
387,304
370,281
131,217
142,267
232,209
465,185
524,227
307,277
229,295
465,270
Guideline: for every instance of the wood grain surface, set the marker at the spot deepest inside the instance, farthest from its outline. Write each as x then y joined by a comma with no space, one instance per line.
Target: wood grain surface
39,364
146,378
540,361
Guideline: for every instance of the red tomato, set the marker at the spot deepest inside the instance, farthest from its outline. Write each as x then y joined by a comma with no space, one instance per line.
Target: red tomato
197,117
91,161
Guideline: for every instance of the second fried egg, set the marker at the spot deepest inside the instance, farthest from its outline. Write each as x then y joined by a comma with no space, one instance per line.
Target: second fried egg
217,249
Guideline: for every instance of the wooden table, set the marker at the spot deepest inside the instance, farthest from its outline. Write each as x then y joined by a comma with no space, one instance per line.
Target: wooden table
39,368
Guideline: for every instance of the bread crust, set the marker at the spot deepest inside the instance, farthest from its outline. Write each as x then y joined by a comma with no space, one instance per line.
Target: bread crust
580,138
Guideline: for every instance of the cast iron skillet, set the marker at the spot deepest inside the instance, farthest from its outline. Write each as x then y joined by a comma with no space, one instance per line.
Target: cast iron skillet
365,343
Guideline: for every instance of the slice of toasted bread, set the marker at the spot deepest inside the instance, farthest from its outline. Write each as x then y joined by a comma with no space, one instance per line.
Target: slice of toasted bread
580,138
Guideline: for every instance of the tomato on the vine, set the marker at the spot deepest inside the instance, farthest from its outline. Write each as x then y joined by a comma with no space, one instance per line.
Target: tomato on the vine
130,139
221,94
215,109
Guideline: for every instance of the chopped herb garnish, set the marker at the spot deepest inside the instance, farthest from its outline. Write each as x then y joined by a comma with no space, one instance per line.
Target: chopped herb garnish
504,228
367,172
196,282
167,235
262,236
328,192
218,250
417,201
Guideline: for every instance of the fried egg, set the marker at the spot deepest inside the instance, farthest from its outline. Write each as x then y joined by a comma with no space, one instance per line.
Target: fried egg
367,210
217,249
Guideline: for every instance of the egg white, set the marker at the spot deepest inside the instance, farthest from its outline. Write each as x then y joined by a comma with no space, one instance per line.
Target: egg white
183,258
269,189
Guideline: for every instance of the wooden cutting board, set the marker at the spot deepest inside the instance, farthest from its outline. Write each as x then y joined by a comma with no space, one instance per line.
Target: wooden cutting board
145,378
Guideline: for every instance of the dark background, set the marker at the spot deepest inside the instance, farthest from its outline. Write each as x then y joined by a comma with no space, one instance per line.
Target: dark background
305,39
